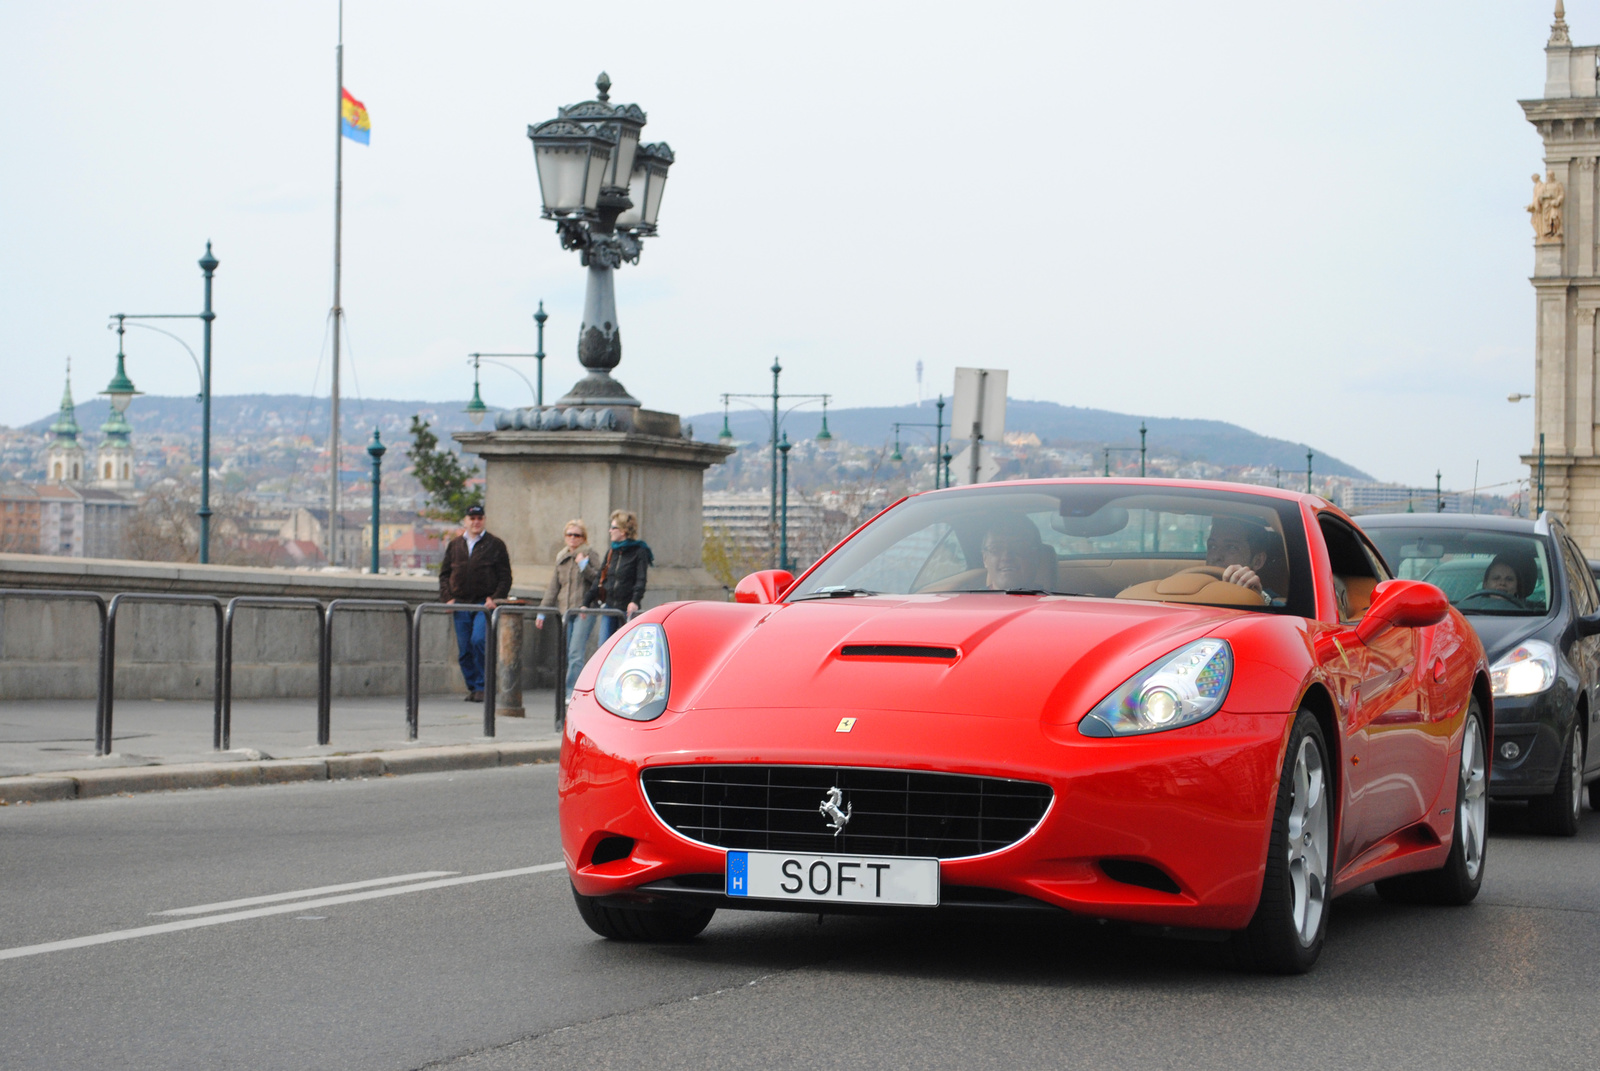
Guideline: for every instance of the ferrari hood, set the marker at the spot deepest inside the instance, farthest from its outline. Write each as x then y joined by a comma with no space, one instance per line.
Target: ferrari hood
989,655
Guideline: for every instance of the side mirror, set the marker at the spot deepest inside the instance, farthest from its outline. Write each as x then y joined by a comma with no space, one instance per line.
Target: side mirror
766,586
1588,626
1402,604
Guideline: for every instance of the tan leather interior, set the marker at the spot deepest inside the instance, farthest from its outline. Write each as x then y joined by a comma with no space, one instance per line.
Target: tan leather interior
1104,577
1358,592
1192,587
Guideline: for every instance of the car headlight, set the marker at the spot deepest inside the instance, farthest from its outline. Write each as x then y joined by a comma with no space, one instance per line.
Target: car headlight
1527,669
636,674
1180,689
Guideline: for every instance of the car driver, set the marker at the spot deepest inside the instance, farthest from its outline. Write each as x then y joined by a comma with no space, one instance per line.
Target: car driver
1239,549
1012,551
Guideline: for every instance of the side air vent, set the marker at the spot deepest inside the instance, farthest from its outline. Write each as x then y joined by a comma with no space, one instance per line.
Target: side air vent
1144,875
896,650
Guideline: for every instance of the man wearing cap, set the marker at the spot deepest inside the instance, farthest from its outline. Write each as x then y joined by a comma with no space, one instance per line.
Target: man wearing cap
476,569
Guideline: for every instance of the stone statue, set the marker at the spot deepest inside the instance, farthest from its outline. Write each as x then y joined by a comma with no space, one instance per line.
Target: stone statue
1545,208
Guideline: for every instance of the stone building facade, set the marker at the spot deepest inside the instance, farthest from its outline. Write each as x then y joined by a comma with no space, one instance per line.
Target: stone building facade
1565,214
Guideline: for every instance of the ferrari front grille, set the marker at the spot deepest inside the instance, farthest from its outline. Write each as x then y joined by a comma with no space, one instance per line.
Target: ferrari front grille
887,812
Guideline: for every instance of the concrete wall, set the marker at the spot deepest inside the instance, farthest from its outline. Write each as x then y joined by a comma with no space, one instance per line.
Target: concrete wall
48,650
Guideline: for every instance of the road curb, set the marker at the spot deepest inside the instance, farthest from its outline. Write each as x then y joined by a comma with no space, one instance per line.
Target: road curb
121,780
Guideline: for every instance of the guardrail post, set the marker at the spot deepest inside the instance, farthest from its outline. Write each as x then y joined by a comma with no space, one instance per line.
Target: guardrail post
224,739
108,660
325,709
490,655
45,595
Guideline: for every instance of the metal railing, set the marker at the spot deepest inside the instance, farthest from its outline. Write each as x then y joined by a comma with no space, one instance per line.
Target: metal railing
108,661
100,736
566,630
325,685
324,699
222,680
491,654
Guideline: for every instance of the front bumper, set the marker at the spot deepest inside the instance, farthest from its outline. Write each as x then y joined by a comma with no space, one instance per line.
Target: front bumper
1539,727
1195,804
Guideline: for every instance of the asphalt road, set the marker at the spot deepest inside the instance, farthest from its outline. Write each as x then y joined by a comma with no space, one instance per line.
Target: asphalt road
463,966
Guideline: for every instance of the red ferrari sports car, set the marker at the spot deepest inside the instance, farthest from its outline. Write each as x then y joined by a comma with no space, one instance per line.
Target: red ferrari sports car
1184,704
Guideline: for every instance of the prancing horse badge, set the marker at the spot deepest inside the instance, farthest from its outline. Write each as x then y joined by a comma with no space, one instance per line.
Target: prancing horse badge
845,725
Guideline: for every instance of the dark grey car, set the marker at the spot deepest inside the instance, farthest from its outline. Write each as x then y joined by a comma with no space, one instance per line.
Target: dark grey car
1529,592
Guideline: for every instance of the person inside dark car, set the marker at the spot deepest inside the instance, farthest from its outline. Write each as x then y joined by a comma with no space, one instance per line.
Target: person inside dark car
1504,578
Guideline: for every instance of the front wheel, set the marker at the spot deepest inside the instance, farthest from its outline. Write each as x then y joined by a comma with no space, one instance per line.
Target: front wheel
1558,813
1458,881
1291,921
646,922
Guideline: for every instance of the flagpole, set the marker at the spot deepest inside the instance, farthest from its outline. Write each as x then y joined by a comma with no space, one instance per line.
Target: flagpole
338,311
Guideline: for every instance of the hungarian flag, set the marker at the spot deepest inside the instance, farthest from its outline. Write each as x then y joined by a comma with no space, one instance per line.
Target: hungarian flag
355,123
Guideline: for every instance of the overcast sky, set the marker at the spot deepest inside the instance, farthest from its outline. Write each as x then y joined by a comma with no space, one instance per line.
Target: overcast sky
1303,218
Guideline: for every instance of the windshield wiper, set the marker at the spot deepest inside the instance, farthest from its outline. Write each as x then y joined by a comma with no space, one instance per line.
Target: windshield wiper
1010,591
833,593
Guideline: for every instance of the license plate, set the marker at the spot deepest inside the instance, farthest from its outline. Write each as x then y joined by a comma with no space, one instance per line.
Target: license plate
850,879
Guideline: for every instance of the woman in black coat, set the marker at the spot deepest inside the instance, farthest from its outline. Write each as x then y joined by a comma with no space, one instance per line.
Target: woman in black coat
620,585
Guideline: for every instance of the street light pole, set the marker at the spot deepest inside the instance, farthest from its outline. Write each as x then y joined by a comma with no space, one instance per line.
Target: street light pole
376,450
777,419
1308,472
783,551
938,440
1438,491
121,390
1141,449
773,515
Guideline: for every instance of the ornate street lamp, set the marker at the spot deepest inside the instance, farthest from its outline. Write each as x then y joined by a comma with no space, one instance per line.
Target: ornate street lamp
475,409
603,190
121,391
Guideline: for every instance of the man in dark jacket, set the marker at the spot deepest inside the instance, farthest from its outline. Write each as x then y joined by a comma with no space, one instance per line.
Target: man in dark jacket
476,569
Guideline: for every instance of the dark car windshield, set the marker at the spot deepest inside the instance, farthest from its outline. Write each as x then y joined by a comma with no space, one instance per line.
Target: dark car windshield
1111,540
1481,572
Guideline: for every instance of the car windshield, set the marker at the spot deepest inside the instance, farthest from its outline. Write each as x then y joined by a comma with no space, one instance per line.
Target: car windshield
1103,539
1481,572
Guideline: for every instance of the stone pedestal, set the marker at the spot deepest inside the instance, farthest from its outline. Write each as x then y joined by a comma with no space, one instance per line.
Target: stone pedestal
545,467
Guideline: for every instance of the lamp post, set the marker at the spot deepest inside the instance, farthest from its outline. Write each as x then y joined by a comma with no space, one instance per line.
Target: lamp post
1308,472
783,546
777,419
1438,491
603,190
376,450
938,441
121,390
475,409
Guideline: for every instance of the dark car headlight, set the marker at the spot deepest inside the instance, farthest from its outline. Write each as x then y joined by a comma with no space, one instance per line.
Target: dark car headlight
1528,669
636,675
1180,689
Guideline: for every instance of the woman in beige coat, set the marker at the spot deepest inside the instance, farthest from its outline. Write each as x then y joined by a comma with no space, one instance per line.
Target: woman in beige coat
575,570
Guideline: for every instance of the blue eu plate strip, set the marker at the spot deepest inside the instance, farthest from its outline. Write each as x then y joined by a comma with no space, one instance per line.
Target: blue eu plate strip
738,873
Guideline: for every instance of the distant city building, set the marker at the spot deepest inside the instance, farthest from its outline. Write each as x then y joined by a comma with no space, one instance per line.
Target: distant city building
68,522
1389,498
413,549
113,464
744,519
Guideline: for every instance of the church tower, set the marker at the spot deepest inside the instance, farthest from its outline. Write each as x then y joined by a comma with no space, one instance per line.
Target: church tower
113,463
64,463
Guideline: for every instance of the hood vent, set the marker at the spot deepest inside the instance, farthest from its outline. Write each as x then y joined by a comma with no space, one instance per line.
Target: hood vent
897,650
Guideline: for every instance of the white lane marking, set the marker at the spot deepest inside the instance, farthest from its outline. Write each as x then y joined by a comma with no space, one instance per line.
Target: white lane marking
251,901
262,912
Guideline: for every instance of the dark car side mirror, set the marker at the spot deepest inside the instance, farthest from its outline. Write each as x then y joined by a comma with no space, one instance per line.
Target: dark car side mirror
766,586
1402,604
1587,626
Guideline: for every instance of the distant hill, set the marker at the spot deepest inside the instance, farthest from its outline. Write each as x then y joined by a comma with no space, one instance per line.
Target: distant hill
257,415
1214,441
270,415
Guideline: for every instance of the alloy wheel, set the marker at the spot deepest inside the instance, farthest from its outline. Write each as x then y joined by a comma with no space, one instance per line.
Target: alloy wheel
1308,841
1474,798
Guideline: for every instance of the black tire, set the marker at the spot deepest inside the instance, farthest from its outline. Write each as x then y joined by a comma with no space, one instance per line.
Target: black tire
1458,881
1558,813
1291,921
646,922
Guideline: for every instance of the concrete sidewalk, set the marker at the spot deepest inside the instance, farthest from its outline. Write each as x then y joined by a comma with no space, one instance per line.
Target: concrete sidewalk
47,746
